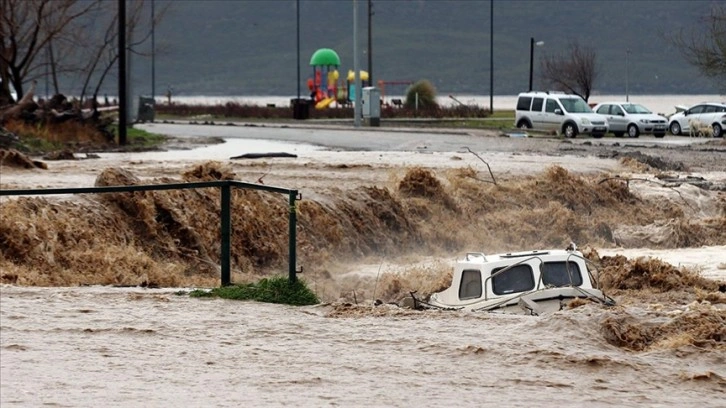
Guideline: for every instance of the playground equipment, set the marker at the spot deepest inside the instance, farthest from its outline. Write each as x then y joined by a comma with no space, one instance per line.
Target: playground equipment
325,63
351,83
326,86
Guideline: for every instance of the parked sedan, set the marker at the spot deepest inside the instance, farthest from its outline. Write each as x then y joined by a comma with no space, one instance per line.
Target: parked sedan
632,118
707,114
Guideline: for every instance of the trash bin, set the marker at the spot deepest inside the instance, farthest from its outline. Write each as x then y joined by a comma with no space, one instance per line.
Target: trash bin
300,108
146,109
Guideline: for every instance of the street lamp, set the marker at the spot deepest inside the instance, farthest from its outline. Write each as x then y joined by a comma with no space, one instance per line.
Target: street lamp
532,43
627,74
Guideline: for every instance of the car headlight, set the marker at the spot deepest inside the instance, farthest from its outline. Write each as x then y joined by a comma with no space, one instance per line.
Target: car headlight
644,121
585,121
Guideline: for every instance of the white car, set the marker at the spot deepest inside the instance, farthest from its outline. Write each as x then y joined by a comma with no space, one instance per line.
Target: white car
711,114
632,118
566,114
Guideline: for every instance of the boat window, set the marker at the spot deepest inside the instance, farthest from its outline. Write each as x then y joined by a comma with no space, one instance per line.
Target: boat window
559,273
470,284
517,279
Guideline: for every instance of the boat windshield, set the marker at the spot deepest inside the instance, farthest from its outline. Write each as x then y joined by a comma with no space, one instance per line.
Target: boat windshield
635,108
575,105
561,274
517,279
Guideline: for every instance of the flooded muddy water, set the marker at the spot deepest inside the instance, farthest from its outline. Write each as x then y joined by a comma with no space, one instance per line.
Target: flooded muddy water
382,214
100,346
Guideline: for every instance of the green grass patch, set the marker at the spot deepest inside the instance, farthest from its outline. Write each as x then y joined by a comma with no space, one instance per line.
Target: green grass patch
140,138
502,114
36,145
268,290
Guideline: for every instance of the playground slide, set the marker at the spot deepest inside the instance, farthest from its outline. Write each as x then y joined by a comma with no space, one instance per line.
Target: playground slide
324,103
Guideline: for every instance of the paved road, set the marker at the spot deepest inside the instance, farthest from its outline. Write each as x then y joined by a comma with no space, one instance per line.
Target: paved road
400,139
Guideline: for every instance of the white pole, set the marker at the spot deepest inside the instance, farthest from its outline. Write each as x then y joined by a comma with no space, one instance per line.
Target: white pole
627,74
356,68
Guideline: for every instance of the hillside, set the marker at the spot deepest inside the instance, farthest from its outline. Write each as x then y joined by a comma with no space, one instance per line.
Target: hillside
249,47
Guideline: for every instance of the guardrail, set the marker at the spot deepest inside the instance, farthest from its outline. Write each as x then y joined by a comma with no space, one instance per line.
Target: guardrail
225,187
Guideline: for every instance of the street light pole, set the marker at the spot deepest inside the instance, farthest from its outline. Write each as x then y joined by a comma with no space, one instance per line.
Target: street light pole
491,56
370,46
532,43
122,107
153,57
356,69
297,16
627,74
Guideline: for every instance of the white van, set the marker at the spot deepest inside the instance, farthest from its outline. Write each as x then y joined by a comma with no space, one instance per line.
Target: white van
566,114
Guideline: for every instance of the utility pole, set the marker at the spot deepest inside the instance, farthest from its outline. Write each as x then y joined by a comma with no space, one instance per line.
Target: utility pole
297,12
627,74
122,108
370,50
532,43
153,56
47,64
491,56
356,68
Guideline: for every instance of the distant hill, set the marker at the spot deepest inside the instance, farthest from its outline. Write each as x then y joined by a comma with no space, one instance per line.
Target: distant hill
249,47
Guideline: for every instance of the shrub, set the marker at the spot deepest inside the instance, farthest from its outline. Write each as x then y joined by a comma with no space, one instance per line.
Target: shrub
426,95
272,290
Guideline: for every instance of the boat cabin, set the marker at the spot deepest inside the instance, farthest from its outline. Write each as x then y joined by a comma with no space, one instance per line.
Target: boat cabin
479,277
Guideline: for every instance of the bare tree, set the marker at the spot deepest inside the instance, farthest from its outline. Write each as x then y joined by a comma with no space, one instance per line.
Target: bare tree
574,72
27,27
61,37
705,47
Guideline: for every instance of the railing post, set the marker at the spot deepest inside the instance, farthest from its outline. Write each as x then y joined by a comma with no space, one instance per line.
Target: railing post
226,231
293,237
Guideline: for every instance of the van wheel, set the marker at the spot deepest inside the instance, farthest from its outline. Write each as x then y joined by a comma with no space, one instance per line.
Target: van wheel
633,131
570,130
524,124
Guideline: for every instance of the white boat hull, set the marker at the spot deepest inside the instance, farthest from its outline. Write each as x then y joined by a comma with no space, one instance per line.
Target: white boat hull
540,302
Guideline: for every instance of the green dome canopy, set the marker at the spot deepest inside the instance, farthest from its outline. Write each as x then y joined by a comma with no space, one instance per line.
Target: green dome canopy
326,57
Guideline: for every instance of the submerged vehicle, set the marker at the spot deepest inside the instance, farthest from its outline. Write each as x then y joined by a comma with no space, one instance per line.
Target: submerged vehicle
532,282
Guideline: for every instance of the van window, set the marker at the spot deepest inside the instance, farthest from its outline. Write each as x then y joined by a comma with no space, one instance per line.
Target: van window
561,274
523,102
470,287
551,106
516,279
575,105
537,104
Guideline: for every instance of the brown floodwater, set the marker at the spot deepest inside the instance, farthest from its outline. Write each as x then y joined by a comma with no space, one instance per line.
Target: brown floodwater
371,225
101,346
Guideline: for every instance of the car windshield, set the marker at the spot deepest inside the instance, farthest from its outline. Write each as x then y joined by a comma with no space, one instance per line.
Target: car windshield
575,105
635,108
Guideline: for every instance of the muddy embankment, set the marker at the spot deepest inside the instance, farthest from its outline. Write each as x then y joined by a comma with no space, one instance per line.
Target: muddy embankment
171,238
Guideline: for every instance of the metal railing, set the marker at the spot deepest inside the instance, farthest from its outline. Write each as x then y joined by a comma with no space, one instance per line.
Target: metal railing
226,220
